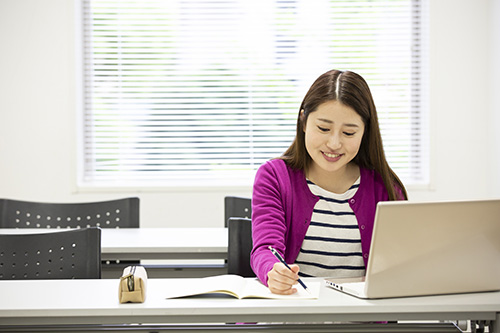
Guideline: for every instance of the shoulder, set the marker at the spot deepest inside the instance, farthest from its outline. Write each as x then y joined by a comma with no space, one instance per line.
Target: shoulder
371,180
270,174
372,184
278,167
278,174
274,164
371,177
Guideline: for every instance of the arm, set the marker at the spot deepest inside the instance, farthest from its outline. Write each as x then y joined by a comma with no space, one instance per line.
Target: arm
268,220
270,227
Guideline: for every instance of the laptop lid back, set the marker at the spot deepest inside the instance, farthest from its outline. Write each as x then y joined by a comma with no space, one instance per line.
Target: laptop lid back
434,248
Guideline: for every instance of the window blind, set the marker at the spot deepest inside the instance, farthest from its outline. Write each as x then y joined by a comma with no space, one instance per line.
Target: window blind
193,92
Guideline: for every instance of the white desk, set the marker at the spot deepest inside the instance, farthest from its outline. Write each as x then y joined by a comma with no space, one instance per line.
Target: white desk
156,243
164,243
45,302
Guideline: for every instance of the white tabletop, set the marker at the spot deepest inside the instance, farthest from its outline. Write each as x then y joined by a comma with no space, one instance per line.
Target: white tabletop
164,243
156,243
38,302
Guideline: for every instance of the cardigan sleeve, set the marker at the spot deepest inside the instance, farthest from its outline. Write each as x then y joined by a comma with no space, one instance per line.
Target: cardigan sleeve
268,219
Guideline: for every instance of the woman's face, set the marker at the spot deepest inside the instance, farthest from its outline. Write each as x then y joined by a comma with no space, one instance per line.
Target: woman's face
333,135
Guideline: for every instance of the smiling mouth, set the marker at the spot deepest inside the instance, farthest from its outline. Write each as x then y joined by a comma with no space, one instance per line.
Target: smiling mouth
332,155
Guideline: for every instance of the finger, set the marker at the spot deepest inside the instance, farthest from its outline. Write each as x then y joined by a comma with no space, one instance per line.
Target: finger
288,291
285,271
277,279
279,287
295,269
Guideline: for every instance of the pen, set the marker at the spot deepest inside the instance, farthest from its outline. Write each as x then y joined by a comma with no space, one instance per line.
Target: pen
280,258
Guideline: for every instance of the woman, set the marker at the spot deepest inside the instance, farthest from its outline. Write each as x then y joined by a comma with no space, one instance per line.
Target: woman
316,203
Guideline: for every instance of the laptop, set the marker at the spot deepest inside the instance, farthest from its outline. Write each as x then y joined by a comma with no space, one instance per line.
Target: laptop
430,248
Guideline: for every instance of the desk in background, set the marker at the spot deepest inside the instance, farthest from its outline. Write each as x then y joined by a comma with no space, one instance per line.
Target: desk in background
191,252
68,302
164,243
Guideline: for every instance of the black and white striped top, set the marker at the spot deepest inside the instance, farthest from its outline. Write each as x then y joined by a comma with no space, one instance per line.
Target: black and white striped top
332,245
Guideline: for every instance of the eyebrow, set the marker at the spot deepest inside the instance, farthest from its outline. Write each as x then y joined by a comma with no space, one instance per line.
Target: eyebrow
328,121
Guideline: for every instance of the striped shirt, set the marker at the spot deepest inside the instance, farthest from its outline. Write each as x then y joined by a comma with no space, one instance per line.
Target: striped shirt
332,245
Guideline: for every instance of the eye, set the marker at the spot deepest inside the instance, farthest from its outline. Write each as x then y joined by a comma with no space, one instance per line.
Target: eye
349,133
322,129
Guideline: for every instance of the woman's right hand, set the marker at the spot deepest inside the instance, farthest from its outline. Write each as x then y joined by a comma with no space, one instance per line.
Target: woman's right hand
281,280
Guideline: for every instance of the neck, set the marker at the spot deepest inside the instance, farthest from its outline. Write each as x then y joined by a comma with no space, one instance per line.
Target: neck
336,181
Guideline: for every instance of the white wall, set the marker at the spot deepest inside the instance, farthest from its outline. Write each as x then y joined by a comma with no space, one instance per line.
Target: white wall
38,115
495,97
460,103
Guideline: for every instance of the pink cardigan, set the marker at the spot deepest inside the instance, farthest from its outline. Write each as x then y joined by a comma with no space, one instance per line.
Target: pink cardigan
282,206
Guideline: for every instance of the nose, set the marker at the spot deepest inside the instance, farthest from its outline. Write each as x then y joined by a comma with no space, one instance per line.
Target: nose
334,142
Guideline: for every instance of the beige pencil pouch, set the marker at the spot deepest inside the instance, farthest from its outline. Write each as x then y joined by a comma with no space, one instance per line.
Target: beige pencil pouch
133,283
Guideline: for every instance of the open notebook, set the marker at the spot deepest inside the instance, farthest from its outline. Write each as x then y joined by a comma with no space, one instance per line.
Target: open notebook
429,249
234,286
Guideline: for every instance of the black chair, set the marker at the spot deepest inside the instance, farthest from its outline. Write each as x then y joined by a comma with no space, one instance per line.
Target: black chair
68,254
237,207
239,246
120,213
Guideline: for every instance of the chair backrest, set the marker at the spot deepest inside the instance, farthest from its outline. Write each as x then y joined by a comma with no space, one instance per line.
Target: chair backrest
68,254
237,207
120,213
239,246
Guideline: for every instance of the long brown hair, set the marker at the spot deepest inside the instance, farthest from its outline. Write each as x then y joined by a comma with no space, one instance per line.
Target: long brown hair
352,90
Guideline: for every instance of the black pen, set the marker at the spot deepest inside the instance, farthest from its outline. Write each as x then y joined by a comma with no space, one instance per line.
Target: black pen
280,258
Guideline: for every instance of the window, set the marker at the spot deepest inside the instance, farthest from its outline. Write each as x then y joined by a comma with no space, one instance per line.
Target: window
201,92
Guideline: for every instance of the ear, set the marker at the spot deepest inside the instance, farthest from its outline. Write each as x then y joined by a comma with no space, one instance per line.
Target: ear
302,118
